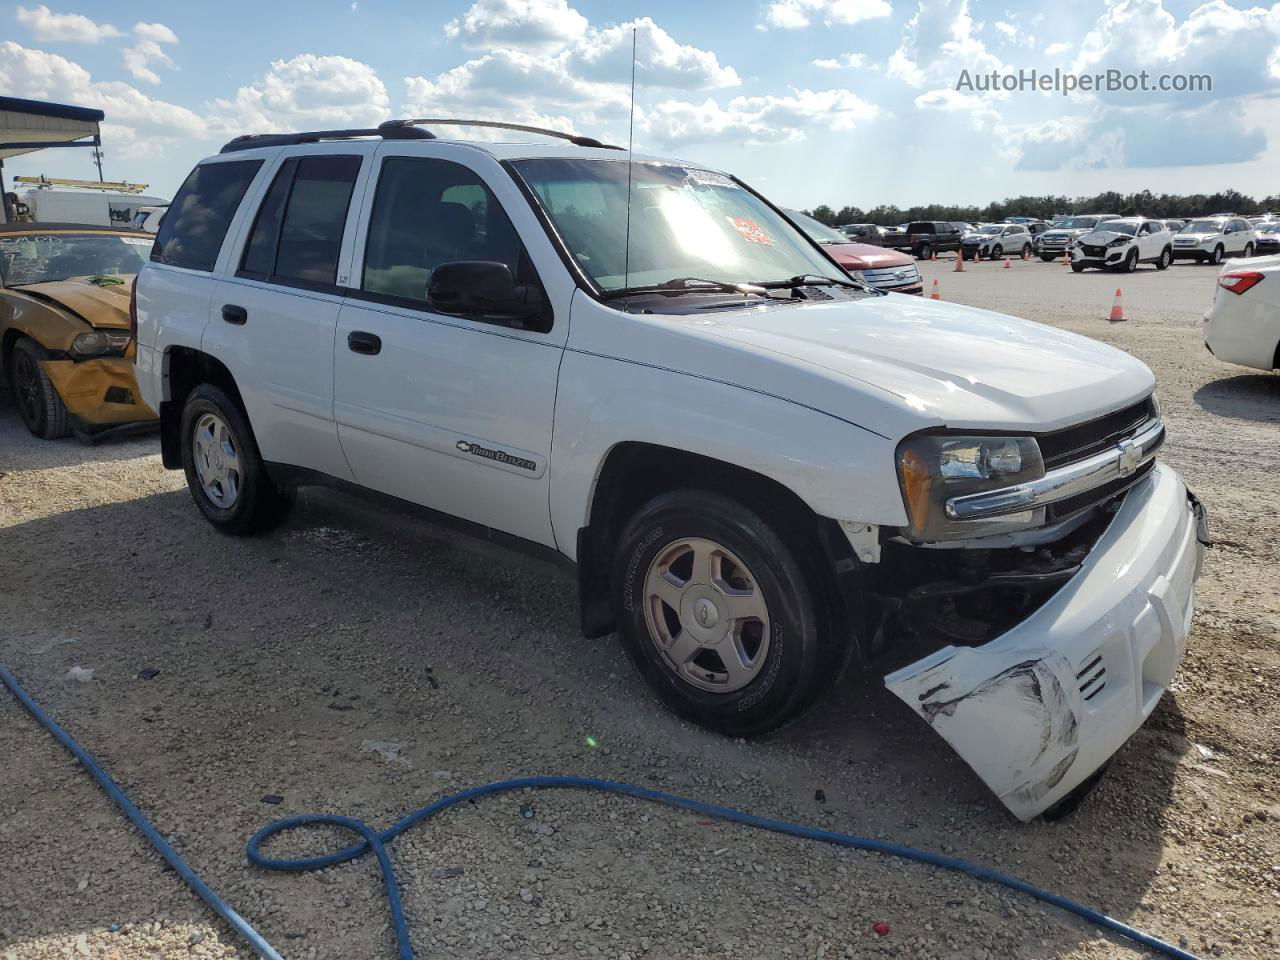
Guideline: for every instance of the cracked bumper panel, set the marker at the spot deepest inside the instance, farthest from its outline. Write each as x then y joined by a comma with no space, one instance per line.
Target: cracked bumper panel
99,392
1040,708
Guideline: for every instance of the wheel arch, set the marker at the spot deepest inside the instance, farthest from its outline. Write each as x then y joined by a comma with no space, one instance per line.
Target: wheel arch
634,472
185,368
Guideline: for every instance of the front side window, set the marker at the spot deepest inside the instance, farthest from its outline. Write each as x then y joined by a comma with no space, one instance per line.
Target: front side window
196,222
427,212
685,222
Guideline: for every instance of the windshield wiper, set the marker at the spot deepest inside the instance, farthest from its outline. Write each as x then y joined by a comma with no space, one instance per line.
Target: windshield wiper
808,280
681,285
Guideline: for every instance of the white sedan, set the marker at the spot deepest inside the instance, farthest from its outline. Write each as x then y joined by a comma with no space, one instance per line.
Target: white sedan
1244,321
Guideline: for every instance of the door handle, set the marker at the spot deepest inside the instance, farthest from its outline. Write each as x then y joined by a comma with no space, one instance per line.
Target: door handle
233,314
367,343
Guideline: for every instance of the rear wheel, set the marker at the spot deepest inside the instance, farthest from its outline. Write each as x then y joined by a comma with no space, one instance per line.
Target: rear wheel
39,405
720,614
1026,250
225,473
1166,258
1248,250
925,252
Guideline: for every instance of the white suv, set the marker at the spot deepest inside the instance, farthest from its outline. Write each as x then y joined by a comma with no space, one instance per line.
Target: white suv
1122,244
1209,239
762,469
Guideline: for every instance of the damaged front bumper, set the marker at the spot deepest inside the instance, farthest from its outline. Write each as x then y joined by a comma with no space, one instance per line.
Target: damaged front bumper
1044,705
99,392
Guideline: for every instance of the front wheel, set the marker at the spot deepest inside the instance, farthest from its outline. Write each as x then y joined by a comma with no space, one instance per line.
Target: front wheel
721,615
1048,258
1130,262
1077,268
1166,258
39,404
997,252
1216,257
225,472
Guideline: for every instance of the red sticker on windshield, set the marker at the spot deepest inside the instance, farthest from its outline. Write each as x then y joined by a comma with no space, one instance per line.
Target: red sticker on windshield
750,230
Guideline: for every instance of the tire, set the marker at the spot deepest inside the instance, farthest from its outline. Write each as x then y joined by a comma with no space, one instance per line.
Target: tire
785,654
1248,251
996,252
1216,257
230,486
1077,268
1048,258
925,252
1130,263
1166,258
39,404
1026,251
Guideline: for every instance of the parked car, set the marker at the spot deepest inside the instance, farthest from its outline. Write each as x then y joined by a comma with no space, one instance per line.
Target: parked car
924,238
864,233
1210,239
148,218
1244,321
750,458
66,353
997,239
1266,239
1065,231
1124,243
889,270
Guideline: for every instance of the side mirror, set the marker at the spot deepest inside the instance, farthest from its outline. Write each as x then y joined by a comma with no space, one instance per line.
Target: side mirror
483,288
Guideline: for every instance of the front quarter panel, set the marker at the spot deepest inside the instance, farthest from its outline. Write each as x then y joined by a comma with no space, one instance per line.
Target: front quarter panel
48,326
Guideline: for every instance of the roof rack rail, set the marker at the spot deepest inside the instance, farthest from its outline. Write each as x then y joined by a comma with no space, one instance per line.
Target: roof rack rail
573,138
398,130
251,141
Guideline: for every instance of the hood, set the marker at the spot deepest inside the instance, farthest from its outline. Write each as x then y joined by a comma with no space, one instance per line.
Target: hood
1197,237
1068,231
866,256
105,306
941,363
1102,235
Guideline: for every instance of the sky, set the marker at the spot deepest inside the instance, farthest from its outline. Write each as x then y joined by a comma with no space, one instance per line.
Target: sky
811,101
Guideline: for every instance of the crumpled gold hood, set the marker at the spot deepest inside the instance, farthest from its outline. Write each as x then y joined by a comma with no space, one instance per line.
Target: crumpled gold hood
104,306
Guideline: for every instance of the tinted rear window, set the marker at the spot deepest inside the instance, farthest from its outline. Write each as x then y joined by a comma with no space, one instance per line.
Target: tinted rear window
196,222
920,228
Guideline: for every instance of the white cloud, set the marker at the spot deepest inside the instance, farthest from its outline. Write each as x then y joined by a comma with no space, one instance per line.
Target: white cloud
509,79
797,14
1008,29
605,55
1056,49
767,119
979,108
157,32
845,61
308,92
523,24
139,59
937,43
50,27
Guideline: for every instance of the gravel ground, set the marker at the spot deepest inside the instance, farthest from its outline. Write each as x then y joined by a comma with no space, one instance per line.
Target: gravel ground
280,657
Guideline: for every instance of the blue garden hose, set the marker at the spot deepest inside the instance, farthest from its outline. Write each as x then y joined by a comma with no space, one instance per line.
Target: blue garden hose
372,840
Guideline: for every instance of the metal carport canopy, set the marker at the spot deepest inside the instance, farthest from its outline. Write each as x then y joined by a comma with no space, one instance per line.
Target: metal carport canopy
29,125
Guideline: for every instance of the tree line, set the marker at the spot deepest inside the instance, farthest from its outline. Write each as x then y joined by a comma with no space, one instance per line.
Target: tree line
1144,203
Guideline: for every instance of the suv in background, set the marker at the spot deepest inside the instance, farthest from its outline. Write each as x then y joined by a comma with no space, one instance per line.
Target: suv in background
1122,244
1210,239
1065,231
749,458
997,239
924,238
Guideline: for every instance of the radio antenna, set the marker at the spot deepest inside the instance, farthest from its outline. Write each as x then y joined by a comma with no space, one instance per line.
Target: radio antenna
631,137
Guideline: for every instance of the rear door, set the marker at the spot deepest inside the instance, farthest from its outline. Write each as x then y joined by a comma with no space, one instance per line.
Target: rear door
274,312
450,412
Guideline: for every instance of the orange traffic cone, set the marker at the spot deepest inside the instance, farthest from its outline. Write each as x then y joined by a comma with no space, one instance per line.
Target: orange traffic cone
1025,255
933,254
959,260
1117,309
1066,257
935,295
1006,263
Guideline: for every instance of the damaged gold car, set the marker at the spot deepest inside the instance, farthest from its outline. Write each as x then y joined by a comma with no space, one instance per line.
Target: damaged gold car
66,344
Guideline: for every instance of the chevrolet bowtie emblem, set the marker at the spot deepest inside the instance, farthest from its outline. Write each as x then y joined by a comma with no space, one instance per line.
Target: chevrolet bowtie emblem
1130,457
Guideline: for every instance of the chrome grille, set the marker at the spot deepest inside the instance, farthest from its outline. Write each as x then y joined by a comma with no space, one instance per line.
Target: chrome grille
891,278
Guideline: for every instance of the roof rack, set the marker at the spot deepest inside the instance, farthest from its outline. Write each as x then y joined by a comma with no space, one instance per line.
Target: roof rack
398,130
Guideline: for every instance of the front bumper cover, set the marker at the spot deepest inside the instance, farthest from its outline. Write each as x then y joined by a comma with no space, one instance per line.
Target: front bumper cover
90,388
1039,709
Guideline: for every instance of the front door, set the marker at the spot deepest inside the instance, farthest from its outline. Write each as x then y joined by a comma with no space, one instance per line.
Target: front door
450,412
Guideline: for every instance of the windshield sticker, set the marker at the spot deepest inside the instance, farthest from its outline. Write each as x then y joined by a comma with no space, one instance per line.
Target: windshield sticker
708,178
750,231
137,241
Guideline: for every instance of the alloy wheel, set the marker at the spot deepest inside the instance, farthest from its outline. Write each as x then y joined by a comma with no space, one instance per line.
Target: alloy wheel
707,615
217,461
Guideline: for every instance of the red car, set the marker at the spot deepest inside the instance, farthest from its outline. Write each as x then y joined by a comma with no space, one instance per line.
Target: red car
879,267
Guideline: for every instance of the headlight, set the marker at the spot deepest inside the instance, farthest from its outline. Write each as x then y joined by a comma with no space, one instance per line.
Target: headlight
933,468
100,343
1118,242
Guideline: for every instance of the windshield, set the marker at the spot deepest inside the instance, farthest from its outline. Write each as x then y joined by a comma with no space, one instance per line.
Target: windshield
1077,223
40,257
818,231
989,230
685,222
1202,226
1268,228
